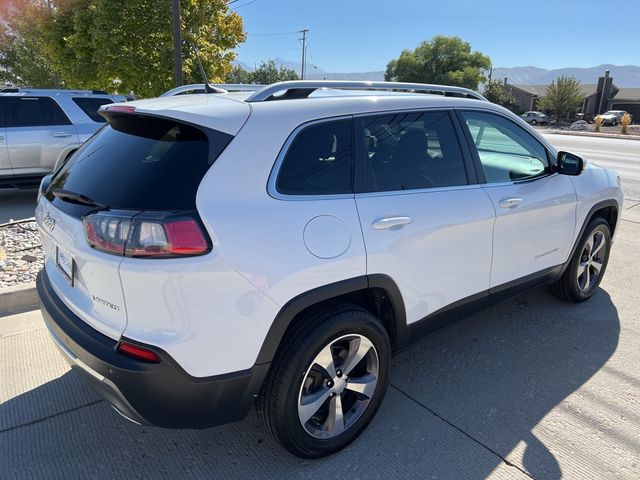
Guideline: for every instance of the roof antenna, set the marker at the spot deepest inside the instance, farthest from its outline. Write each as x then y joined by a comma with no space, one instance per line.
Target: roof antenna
208,88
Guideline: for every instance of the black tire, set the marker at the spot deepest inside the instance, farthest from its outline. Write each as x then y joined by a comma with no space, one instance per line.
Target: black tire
534,122
572,286
278,402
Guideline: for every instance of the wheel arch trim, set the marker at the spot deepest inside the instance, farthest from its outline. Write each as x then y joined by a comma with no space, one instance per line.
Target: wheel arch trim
298,304
598,206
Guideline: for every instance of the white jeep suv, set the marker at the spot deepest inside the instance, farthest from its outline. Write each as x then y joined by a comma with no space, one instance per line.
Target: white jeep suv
208,252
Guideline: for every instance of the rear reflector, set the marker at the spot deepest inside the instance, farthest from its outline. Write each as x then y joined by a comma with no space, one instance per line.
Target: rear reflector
138,353
145,235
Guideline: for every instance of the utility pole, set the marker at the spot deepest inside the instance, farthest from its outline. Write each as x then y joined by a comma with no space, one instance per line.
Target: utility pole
177,43
304,32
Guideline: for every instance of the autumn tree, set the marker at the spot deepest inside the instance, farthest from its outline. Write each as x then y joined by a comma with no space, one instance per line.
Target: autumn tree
442,60
110,44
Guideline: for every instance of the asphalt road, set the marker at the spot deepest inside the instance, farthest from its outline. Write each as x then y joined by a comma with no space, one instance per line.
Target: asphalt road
17,204
620,154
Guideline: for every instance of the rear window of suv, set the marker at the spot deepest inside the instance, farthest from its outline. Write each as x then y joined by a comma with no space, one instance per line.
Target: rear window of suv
141,163
90,106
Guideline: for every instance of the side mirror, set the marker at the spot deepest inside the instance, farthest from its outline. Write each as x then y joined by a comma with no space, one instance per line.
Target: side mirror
569,164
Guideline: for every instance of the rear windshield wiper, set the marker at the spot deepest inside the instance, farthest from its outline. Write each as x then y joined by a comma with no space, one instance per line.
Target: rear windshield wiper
76,198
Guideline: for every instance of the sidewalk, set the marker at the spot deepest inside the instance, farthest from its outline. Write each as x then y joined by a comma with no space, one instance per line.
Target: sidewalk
579,133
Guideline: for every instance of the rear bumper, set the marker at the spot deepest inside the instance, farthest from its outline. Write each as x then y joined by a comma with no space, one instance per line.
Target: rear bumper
160,394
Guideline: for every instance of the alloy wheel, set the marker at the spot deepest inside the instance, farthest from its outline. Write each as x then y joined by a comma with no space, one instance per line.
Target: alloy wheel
338,386
591,261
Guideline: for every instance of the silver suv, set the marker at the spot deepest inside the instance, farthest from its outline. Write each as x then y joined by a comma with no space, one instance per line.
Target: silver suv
41,128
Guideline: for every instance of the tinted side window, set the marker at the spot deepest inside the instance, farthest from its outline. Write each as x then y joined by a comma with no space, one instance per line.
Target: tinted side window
90,106
506,151
319,161
408,151
35,112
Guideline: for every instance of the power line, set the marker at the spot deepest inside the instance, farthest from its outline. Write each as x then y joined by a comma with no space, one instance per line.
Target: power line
270,49
271,34
244,4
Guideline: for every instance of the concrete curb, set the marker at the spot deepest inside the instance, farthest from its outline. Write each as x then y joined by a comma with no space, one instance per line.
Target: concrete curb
578,133
20,298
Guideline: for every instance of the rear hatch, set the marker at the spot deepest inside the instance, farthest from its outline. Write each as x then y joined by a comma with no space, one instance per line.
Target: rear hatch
139,166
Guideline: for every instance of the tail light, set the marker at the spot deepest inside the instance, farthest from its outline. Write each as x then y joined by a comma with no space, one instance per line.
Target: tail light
146,235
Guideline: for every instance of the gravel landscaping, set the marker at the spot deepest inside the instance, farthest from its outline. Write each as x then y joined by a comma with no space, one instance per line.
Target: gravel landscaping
21,255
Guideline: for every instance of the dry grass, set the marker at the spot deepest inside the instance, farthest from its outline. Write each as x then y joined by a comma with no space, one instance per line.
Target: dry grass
598,122
625,121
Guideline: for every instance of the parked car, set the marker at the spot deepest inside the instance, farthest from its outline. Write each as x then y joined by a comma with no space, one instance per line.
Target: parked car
612,117
269,248
535,118
41,128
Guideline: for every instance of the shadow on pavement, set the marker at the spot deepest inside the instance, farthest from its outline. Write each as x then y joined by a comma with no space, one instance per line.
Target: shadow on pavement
461,400
496,374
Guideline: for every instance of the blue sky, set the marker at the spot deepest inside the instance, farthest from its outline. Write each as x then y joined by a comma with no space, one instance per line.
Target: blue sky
357,36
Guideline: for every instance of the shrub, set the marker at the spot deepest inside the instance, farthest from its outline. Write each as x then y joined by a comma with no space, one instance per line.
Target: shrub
625,121
598,122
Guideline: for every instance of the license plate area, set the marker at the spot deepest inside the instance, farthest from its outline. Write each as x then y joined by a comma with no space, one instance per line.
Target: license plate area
65,264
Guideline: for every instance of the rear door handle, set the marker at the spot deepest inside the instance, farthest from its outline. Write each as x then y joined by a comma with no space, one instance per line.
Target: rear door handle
1,137
391,223
61,134
510,202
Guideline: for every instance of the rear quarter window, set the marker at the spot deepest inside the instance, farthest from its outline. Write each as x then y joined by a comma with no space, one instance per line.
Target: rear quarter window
319,161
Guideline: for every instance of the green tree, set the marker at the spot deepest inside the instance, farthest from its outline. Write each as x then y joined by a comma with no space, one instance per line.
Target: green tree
239,75
563,97
495,91
268,73
441,60
22,57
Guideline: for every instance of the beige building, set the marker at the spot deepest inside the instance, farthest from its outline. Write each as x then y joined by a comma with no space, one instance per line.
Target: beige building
598,97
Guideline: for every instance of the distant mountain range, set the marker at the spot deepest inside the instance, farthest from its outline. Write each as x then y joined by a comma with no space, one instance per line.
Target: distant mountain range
623,76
